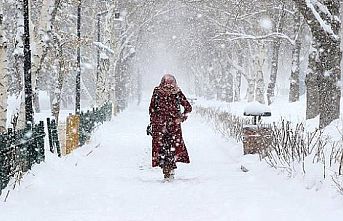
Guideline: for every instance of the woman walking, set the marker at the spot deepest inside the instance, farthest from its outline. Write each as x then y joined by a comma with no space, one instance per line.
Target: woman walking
166,117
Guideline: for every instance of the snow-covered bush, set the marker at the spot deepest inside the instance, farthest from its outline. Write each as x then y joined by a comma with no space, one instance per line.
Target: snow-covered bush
292,148
229,125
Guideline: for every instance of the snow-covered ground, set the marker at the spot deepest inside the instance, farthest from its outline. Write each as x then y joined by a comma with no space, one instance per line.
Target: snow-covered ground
111,179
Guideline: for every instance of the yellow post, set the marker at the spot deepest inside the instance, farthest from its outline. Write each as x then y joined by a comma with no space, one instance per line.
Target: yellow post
72,133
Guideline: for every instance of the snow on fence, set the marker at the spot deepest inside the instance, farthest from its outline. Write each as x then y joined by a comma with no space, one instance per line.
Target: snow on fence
19,150
290,147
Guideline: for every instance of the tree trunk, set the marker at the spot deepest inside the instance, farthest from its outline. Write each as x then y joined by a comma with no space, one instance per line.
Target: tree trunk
101,81
328,55
47,17
274,70
294,91
329,78
19,47
43,52
36,39
112,90
275,59
99,72
227,87
112,33
120,85
27,66
259,91
259,87
78,62
3,78
251,89
20,122
209,87
312,89
56,104
238,80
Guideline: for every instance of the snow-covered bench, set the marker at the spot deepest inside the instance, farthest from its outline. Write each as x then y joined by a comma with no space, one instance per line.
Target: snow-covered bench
257,111
256,137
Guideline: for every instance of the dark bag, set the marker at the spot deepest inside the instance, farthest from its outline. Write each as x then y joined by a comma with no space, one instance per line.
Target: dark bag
149,130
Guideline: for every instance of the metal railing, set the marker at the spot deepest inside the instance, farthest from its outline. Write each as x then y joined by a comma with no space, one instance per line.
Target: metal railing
19,150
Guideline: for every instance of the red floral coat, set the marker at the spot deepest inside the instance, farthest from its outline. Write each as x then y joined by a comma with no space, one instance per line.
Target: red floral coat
165,115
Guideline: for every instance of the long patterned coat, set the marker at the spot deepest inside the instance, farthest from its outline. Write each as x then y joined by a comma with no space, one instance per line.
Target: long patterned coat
166,116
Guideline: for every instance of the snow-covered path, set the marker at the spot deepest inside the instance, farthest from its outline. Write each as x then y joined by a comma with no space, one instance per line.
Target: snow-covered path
111,179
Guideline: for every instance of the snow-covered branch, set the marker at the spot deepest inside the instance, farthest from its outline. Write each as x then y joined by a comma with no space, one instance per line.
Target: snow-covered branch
241,36
103,47
323,24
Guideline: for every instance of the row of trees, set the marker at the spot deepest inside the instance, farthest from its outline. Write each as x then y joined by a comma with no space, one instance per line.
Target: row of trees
107,38
219,44
250,39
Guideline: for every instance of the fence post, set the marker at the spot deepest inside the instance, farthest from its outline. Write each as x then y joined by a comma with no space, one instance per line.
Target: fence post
22,149
72,132
39,140
82,128
110,108
9,160
27,136
50,135
56,142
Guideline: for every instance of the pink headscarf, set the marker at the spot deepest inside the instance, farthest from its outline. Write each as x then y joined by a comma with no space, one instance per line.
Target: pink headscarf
169,84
